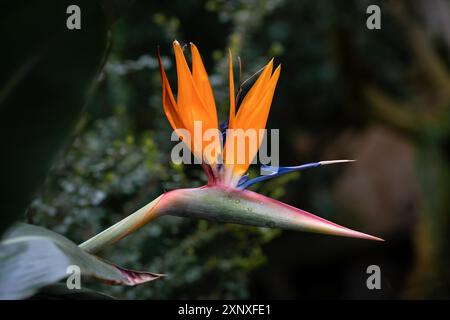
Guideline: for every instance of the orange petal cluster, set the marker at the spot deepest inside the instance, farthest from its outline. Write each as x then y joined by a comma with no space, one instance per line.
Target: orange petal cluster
195,102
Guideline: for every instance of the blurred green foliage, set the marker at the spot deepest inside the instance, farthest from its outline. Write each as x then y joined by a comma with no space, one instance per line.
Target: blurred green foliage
41,94
339,81
120,160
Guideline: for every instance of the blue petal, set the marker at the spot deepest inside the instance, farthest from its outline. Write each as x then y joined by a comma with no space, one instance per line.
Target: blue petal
270,172
243,179
223,129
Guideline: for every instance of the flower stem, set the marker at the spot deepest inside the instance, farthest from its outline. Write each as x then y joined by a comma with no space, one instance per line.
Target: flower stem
122,228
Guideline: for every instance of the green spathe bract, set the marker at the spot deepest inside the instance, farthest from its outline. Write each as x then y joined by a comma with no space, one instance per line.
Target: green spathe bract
250,208
222,204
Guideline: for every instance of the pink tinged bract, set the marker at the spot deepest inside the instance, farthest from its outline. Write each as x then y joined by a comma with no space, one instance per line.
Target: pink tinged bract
228,205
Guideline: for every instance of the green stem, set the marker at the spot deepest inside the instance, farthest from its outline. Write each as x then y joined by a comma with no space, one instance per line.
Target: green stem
122,228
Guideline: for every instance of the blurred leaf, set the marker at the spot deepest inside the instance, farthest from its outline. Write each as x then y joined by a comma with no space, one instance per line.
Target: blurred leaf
32,257
47,73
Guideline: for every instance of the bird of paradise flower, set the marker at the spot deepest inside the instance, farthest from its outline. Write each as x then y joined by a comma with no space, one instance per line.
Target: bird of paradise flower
225,198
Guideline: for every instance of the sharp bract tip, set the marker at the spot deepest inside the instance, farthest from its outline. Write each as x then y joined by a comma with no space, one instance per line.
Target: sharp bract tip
328,162
250,208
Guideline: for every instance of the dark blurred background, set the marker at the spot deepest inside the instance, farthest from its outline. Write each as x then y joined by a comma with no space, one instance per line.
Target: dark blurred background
379,96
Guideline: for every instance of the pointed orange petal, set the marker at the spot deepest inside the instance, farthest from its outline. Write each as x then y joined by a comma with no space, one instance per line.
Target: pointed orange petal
249,102
169,104
255,93
184,89
232,105
201,80
255,119
189,101
232,96
192,108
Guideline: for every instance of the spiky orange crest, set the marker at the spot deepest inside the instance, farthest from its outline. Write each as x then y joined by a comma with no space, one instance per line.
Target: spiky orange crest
195,102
